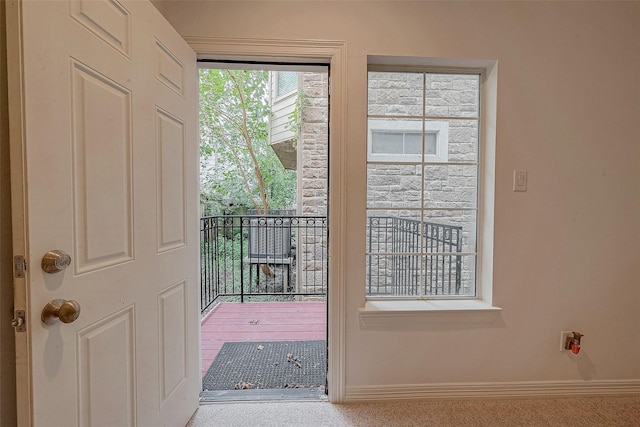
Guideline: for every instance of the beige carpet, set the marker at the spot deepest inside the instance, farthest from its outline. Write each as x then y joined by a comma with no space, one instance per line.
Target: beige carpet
579,412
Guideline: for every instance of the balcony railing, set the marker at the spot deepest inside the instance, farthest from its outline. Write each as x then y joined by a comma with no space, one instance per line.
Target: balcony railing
248,256
395,267
284,257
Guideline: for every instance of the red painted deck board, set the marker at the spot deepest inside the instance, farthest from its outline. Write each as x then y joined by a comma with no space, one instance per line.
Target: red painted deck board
261,321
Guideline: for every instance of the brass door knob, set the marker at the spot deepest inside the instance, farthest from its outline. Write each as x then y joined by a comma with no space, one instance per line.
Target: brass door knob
54,261
59,309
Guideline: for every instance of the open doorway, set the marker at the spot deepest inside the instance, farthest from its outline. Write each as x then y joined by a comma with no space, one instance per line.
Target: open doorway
264,243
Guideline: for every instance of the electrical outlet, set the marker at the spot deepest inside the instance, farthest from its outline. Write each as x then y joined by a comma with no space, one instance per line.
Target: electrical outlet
563,339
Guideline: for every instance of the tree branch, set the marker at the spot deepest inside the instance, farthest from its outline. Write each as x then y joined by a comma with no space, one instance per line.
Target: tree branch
247,138
229,117
245,179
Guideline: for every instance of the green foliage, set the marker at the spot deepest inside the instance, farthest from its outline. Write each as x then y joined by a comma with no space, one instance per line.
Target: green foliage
238,166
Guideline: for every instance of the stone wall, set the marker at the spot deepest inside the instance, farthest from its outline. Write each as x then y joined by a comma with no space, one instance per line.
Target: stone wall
313,162
313,144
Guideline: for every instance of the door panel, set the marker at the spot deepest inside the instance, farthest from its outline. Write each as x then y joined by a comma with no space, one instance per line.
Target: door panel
110,135
106,379
172,303
102,178
108,20
171,180
169,69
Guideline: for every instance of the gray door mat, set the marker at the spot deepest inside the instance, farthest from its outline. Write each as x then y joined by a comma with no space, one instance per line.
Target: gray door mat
268,365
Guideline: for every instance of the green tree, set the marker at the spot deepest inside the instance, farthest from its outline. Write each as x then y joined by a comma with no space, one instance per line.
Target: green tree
234,118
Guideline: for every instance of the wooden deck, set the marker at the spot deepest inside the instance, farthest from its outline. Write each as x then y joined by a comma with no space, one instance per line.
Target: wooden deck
261,321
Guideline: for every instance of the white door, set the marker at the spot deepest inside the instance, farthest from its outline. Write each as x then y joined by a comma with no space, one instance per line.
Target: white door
108,141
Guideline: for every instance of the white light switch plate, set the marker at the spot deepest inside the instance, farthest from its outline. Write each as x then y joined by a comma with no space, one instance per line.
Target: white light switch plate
519,180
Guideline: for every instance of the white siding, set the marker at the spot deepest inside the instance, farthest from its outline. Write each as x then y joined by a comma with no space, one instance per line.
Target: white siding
281,109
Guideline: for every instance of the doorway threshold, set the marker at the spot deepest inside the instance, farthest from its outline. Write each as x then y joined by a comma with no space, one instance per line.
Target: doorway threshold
262,395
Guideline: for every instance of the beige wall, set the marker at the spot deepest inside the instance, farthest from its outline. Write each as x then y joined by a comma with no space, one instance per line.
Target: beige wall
7,366
566,252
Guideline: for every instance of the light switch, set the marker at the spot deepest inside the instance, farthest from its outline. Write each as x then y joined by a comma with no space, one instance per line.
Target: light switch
519,180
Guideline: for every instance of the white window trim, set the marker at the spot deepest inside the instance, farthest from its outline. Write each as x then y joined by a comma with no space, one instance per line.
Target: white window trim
408,314
440,128
401,313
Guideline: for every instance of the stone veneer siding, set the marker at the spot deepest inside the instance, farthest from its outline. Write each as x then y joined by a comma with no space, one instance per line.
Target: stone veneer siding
313,164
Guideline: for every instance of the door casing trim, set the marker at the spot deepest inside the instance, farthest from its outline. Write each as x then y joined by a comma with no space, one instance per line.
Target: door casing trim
333,53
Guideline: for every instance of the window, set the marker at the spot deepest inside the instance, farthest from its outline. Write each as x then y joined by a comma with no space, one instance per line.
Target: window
286,82
423,183
400,140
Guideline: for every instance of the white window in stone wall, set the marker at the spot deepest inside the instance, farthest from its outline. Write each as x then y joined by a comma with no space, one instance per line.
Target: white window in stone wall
423,164
401,140
286,82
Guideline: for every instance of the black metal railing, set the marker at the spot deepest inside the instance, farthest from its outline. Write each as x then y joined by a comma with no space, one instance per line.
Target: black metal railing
395,267
248,256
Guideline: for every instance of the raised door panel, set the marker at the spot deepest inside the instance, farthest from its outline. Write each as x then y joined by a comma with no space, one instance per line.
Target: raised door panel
107,19
170,139
101,115
169,70
172,306
106,372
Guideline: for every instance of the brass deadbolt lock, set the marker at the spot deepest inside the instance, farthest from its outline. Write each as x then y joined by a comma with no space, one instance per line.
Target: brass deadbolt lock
55,261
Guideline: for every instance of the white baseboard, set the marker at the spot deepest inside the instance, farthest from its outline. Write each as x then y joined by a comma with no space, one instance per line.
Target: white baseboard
493,390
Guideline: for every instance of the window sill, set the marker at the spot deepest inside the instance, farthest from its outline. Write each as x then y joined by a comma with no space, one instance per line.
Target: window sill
424,312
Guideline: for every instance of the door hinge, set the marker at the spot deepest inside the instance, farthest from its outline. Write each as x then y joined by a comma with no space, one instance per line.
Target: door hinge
20,266
19,321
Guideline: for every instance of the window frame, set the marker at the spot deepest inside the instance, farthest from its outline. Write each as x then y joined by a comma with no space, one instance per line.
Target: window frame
480,175
403,314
